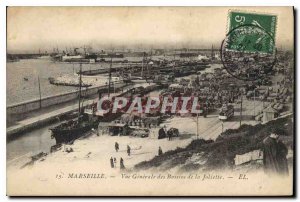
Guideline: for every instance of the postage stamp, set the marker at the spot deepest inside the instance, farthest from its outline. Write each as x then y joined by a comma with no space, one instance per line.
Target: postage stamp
263,21
248,52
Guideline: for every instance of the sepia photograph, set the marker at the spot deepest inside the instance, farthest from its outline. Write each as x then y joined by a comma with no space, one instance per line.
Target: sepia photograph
150,101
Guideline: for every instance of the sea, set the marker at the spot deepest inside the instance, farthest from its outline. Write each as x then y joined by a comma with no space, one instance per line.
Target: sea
22,78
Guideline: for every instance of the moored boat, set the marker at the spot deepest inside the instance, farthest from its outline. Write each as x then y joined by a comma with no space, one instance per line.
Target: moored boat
73,129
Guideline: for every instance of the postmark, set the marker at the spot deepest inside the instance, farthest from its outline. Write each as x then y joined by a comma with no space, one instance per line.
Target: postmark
248,52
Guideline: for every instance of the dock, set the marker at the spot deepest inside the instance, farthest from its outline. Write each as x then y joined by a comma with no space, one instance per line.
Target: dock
33,122
48,117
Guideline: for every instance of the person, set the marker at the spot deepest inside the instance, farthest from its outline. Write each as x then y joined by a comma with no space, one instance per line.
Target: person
111,162
282,153
170,134
161,133
159,151
274,154
122,167
128,150
165,129
117,147
115,162
205,112
99,94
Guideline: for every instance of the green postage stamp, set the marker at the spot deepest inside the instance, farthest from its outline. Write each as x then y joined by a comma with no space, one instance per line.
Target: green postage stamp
248,52
251,32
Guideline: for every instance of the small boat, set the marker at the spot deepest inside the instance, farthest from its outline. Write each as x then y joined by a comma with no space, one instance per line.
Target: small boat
96,72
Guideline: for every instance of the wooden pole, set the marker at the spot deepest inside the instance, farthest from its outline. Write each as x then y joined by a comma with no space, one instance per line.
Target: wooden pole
241,109
174,62
114,87
222,126
254,104
40,92
197,126
79,96
109,76
142,72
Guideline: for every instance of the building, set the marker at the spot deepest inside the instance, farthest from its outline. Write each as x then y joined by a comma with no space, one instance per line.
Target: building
269,114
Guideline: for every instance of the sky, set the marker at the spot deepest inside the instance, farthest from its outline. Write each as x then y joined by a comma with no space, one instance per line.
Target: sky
32,28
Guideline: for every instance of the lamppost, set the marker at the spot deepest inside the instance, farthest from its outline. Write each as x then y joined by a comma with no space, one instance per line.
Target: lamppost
197,126
254,103
40,93
241,111
114,83
222,126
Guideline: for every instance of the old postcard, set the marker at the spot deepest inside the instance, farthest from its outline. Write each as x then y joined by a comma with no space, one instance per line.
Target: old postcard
150,101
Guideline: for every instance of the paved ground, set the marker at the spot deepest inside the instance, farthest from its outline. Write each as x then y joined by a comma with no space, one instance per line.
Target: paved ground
210,127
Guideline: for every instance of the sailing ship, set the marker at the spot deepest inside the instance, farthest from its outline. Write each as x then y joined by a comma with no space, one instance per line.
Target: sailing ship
68,131
139,75
87,118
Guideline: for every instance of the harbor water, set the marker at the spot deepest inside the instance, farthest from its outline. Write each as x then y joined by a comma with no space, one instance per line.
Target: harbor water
22,78
30,143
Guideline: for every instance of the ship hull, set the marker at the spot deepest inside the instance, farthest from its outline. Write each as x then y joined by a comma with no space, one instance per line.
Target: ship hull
65,135
69,135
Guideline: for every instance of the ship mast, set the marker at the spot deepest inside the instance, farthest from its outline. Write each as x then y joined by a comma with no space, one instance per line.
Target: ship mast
142,72
148,61
79,109
109,77
212,52
174,60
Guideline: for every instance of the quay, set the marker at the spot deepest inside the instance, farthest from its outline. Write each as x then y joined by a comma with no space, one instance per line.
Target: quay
33,122
41,119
